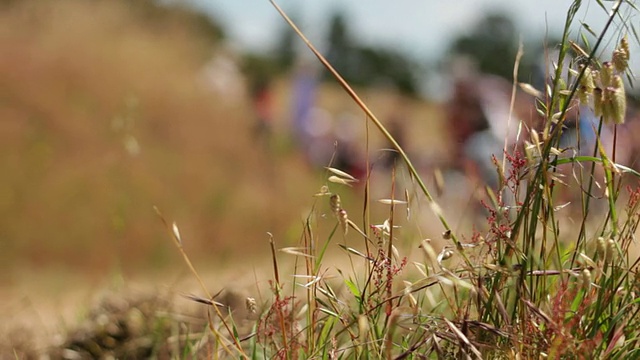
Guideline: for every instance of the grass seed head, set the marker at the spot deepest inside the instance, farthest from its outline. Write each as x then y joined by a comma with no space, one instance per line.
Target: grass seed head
585,277
607,104
611,250
587,84
344,220
620,57
618,100
250,304
624,46
598,102
606,74
444,255
583,95
363,327
587,80
334,202
324,190
601,249
339,180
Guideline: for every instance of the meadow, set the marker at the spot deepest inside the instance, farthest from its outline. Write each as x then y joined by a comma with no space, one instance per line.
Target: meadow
141,217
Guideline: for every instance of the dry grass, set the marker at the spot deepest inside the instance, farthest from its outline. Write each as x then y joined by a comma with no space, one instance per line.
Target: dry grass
82,80
80,88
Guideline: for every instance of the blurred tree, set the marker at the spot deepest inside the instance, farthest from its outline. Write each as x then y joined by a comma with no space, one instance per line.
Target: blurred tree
341,51
286,48
367,65
387,67
492,42
259,67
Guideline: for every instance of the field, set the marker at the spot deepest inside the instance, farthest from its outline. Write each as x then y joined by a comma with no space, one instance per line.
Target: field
123,135
96,131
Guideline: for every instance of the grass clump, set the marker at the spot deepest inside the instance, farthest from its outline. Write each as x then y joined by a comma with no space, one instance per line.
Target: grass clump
526,286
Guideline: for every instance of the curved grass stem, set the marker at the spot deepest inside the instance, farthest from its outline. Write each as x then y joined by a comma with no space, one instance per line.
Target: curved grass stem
412,170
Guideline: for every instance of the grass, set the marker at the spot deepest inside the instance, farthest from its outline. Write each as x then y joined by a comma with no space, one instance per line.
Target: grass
368,284
525,287
73,113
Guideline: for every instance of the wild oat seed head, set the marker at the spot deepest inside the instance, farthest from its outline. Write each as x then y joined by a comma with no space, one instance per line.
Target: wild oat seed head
334,202
344,220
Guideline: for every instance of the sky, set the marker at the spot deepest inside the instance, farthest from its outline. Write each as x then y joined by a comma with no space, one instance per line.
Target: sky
419,28
422,29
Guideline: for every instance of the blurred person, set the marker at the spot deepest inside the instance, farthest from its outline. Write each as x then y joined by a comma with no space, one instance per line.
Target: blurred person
312,125
318,135
483,125
478,114
304,98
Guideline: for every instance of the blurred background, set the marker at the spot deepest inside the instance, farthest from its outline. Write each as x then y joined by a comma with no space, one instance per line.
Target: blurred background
214,112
